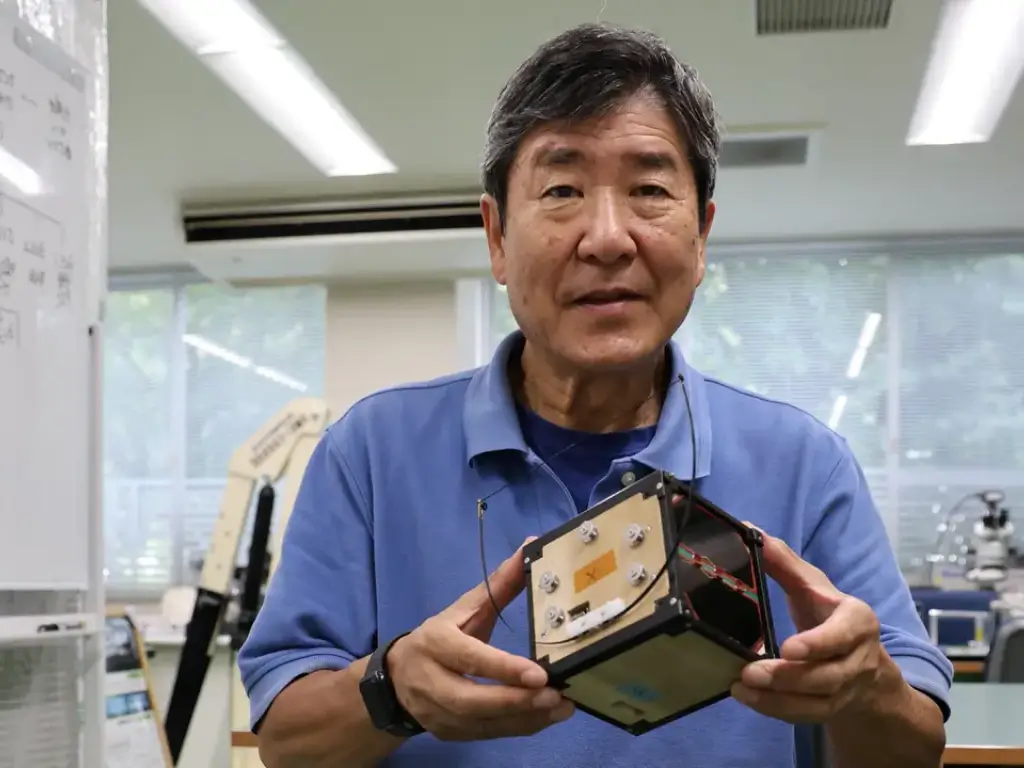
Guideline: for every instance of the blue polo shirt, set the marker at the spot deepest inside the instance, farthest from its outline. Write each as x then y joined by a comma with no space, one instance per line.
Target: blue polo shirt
383,535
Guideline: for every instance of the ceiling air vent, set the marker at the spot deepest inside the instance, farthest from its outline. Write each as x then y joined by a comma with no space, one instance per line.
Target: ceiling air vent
777,17
204,224
764,152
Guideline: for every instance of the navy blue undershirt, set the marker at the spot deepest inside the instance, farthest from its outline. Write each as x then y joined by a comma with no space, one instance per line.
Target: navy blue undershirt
579,459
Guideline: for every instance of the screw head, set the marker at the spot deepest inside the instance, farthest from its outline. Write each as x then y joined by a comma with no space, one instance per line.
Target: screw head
637,574
588,531
635,534
549,582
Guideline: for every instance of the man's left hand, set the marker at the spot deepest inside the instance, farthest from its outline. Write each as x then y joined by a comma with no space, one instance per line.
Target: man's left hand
832,665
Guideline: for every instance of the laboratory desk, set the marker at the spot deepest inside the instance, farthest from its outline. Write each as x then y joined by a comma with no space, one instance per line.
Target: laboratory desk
968,667
968,661
986,726
985,729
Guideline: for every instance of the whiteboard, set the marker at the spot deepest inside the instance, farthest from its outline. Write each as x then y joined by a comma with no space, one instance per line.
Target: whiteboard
46,353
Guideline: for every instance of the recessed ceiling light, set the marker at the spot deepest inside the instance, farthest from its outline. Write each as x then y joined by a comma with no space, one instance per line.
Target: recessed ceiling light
976,59
245,51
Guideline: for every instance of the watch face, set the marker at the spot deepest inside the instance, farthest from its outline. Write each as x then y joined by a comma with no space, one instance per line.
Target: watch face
378,698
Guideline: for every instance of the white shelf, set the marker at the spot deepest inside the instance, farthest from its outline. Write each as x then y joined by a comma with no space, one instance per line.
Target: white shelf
45,628
171,639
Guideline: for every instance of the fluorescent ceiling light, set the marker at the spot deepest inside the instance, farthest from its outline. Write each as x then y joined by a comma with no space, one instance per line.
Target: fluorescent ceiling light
837,412
281,378
976,59
856,362
729,336
242,48
282,90
215,26
208,347
867,338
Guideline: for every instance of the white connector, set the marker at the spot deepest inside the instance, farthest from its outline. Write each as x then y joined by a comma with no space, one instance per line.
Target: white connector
595,618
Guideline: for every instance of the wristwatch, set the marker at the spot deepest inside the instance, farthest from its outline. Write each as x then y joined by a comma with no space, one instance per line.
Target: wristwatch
378,692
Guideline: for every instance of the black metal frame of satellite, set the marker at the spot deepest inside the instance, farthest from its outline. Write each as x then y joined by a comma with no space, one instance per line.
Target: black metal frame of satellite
646,607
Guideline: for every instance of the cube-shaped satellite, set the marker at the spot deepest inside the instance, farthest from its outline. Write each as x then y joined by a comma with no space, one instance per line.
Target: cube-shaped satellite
647,606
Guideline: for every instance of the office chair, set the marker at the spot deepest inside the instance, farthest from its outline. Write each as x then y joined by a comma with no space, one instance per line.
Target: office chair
1005,662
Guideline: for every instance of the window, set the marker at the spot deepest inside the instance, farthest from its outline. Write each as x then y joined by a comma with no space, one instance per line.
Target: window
960,322
805,331
137,451
501,322
917,359
191,371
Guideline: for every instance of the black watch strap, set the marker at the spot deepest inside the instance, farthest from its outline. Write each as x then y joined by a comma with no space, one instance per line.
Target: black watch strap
378,692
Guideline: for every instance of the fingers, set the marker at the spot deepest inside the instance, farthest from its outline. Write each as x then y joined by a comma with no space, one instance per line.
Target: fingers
455,708
507,726
809,691
809,678
849,626
466,655
467,699
527,724
508,580
461,688
790,707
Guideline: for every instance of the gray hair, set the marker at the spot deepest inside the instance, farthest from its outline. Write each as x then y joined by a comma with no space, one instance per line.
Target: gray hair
587,71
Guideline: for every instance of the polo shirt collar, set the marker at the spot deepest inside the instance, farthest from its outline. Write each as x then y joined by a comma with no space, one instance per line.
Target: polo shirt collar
491,424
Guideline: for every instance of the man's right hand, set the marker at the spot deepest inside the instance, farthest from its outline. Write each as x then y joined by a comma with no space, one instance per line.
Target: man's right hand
432,666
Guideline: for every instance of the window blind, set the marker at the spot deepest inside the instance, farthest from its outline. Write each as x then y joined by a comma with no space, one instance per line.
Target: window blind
806,331
961,326
138,455
961,389
191,372
917,360
249,352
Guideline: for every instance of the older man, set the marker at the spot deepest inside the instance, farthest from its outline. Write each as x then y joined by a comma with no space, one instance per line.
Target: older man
377,644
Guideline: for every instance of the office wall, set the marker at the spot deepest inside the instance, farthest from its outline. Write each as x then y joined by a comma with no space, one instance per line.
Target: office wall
379,335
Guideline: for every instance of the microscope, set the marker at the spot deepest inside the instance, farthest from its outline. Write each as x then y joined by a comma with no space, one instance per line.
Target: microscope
991,548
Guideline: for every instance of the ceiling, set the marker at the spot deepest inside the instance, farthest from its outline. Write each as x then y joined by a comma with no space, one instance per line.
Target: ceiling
421,78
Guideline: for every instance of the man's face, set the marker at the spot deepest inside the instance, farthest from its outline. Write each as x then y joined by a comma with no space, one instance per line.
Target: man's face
602,249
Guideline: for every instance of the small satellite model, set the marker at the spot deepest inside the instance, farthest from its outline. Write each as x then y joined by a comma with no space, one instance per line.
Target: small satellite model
647,606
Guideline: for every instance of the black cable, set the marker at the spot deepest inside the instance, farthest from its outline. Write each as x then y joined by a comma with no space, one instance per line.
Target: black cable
481,507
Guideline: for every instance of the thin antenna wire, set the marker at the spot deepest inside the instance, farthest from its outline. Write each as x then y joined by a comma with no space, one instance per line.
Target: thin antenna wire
481,508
